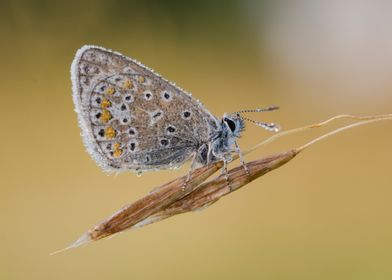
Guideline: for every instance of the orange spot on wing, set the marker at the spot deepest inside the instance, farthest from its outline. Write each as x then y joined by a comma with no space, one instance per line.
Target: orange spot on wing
110,90
110,133
128,84
105,103
141,79
117,151
106,116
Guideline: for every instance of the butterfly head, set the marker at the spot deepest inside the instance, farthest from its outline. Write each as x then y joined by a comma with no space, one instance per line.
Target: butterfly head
233,125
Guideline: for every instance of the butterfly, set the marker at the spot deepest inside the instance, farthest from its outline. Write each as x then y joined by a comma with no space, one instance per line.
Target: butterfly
133,119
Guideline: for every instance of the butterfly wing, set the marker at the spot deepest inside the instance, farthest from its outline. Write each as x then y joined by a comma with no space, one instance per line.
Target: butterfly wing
131,118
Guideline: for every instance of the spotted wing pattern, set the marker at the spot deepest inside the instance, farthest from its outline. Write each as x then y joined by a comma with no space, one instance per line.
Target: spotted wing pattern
131,118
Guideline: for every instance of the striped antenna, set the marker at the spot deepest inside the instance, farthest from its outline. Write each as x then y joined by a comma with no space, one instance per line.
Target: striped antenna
271,108
268,126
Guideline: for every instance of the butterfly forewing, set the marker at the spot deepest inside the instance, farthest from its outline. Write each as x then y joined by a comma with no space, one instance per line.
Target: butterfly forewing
131,118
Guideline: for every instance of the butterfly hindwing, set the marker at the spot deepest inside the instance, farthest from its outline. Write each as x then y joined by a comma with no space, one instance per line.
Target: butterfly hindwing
131,118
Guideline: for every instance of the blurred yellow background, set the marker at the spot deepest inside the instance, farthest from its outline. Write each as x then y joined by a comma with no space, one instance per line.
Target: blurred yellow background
325,215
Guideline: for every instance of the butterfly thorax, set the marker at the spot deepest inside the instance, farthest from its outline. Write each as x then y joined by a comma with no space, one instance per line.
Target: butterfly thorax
221,143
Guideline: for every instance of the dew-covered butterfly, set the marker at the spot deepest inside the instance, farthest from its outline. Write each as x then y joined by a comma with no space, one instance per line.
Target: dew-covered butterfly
133,119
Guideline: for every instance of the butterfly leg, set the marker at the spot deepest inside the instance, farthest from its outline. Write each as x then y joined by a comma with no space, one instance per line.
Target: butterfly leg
209,153
238,151
188,177
226,158
224,169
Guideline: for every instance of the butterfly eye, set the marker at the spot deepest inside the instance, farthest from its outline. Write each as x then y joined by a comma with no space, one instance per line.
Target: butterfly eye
101,132
166,96
186,114
148,95
170,129
231,124
164,142
132,146
157,115
131,131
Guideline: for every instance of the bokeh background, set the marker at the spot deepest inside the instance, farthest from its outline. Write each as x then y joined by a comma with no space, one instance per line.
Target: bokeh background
325,215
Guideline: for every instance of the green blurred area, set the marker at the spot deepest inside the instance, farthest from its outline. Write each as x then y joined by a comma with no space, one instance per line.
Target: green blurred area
184,23
326,215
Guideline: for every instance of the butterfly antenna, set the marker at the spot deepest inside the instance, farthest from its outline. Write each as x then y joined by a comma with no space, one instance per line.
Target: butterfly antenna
271,108
268,126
